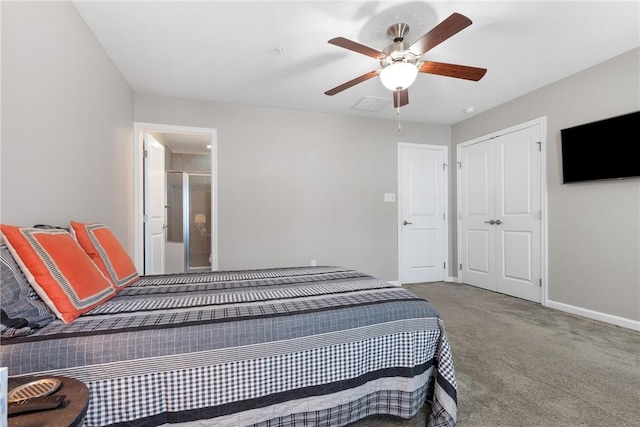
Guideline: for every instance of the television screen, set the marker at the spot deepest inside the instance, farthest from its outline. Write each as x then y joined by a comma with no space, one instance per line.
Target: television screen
605,149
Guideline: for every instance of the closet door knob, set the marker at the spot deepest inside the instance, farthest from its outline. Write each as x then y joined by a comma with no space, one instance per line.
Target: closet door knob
498,222
406,223
490,222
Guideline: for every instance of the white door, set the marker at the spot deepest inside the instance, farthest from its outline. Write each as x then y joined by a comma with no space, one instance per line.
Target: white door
154,206
500,208
518,214
477,207
423,203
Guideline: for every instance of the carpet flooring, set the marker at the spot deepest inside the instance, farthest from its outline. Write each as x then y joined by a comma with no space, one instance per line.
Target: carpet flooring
521,364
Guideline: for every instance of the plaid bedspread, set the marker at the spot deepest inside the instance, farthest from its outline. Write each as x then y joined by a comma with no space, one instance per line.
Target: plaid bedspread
306,346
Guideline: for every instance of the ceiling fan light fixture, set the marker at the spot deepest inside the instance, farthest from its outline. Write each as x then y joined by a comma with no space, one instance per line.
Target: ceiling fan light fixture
399,75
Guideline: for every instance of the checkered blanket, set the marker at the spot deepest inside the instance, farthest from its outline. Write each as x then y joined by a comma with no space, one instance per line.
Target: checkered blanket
307,346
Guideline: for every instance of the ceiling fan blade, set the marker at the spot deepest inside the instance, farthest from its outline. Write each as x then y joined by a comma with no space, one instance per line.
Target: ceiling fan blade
400,98
447,28
347,85
453,70
357,47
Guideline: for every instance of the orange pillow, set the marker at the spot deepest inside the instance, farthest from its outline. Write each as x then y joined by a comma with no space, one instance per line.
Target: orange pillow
104,248
58,269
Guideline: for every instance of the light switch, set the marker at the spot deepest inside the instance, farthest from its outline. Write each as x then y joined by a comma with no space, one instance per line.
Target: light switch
389,197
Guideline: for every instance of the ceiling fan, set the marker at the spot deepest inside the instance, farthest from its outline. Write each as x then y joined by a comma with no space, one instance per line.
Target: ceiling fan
401,62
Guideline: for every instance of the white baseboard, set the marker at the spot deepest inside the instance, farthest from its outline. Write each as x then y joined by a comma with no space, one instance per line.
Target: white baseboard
447,279
397,282
595,315
584,312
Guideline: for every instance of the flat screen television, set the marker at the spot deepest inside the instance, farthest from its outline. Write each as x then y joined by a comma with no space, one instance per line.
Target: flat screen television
604,149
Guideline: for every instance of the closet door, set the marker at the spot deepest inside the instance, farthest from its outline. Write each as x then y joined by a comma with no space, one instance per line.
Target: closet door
477,209
500,214
518,213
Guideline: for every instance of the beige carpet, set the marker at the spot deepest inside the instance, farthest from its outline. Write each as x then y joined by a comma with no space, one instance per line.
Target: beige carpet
520,364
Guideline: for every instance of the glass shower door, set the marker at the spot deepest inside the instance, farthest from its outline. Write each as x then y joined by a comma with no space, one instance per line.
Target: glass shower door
198,203
189,227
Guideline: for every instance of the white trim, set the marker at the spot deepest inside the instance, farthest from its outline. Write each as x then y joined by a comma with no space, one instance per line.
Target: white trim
539,121
595,315
542,122
138,200
445,150
544,260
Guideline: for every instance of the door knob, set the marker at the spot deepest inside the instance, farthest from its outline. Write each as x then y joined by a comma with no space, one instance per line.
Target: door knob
498,222
406,223
490,222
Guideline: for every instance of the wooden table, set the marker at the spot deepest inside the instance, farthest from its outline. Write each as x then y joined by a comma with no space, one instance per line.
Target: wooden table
69,414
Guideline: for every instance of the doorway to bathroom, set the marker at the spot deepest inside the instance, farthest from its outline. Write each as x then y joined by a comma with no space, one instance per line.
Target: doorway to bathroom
175,226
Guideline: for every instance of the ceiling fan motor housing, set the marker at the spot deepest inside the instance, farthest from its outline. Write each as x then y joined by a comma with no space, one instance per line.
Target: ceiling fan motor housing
399,50
397,32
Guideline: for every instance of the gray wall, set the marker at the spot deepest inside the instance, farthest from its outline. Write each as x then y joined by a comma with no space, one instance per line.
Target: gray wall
67,123
295,186
594,227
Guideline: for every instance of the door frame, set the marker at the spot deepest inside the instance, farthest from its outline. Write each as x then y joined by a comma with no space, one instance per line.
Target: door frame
542,122
139,128
445,150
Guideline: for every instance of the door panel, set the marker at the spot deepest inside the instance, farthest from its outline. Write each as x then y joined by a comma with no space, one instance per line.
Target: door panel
478,181
423,203
480,243
514,184
478,262
422,188
516,254
156,265
423,250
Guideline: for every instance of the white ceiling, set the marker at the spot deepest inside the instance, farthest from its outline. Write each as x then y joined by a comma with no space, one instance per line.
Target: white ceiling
275,54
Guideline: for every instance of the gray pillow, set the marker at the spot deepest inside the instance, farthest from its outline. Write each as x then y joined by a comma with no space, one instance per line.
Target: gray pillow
21,310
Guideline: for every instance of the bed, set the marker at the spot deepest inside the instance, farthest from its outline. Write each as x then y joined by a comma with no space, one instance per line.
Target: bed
312,346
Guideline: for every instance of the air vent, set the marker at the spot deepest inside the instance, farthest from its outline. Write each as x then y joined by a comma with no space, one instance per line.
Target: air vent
372,104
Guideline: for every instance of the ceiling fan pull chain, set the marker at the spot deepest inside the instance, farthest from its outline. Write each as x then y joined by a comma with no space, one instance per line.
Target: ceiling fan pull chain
398,114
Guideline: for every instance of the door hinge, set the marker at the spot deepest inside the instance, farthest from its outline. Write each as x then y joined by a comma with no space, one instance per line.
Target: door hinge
539,145
444,215
145,153
540,282
445,265
145,218
459,165
460,266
